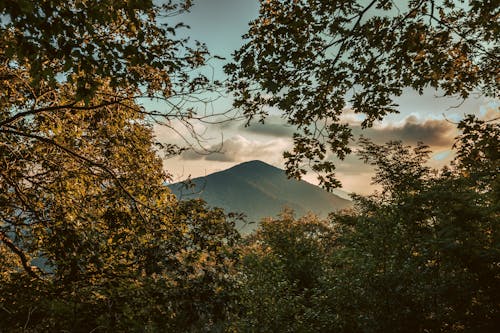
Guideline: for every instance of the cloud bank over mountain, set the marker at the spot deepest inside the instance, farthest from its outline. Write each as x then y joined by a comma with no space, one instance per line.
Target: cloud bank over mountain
239,149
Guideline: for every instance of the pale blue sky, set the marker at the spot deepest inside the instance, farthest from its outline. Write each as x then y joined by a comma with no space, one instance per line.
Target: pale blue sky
221,23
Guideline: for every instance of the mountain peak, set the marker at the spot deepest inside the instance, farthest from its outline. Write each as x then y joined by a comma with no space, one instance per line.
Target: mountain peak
254,167
258,189
255,163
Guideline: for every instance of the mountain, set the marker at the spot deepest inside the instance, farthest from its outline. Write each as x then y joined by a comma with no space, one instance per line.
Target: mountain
258,189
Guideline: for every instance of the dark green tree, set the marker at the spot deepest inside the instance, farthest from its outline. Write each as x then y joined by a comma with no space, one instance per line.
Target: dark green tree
422,255
132,45
283,265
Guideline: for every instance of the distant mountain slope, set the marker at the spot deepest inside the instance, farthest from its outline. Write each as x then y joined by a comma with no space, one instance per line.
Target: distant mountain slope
258,189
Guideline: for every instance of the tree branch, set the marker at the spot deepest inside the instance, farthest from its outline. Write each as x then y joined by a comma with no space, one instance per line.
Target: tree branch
90,162
71,106
24,261
358,21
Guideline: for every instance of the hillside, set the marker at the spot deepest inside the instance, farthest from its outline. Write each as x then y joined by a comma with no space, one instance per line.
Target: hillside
258,189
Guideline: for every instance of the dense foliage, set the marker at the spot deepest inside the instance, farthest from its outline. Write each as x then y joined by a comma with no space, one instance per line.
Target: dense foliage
130,44
90,237
314,59
420,256
96,240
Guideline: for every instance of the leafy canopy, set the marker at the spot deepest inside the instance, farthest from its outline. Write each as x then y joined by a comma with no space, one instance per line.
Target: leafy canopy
313,59
87,222
131,44
91,239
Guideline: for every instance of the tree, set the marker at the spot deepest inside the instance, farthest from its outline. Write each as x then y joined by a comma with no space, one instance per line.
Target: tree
313,59
130,47
423,252
70,62
283,265
100,241
132,44
93,239
421,255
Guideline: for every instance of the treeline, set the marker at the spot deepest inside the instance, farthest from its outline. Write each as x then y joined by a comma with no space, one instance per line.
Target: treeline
421,255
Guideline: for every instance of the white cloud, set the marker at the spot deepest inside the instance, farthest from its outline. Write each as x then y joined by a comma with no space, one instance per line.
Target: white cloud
240,149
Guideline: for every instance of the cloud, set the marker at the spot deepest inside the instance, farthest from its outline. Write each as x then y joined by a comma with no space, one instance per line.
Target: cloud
490,110
412,129
267,142
240,149
432,132
359,184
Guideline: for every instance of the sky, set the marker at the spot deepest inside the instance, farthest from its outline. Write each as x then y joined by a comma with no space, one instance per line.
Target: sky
220,25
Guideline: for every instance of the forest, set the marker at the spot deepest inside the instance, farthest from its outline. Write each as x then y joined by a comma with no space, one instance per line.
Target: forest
92,239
